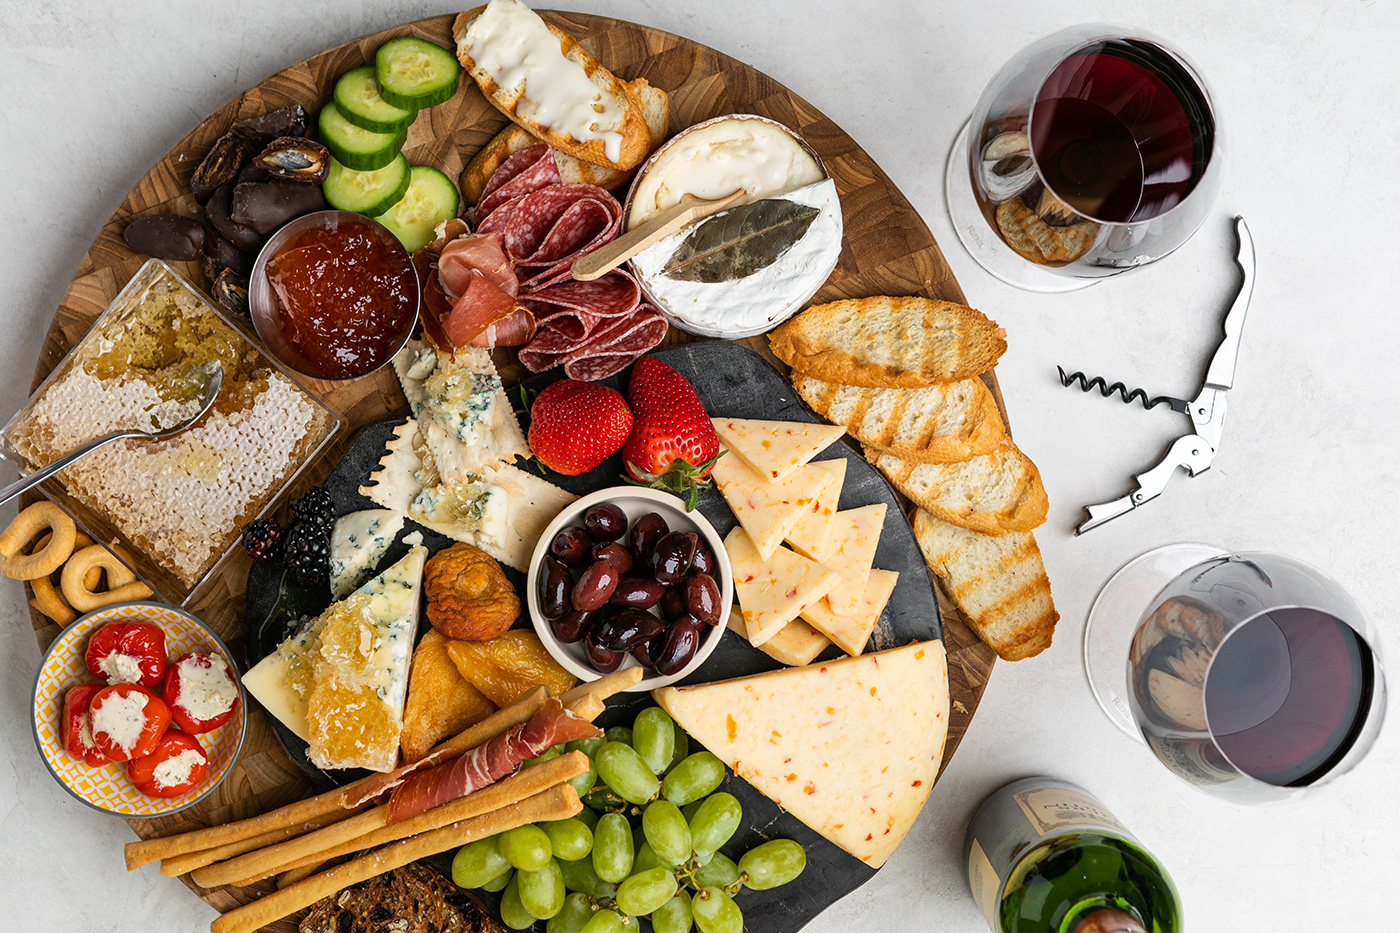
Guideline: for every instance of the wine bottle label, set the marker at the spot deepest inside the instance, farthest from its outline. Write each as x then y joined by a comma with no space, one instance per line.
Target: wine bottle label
1051,809
1014,821
986,886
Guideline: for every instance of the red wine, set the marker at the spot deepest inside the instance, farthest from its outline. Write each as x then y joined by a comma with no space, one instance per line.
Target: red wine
1121,131
1287,693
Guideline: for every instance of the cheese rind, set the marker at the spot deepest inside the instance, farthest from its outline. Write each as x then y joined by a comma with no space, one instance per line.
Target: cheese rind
796,643
772,592
849,747
811,535
768,511
854,538
774,449
853,631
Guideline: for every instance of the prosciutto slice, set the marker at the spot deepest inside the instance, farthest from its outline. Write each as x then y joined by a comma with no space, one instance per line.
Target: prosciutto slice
472,295
488,762
376,785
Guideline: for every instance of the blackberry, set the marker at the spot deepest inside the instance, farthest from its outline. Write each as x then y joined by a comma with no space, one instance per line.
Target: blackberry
261,538
307,553
315,508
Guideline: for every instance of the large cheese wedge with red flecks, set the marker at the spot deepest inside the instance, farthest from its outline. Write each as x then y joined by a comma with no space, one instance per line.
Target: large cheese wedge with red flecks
849,747
772,592
767,510
852,632
811,535
796,643
855,536
775,449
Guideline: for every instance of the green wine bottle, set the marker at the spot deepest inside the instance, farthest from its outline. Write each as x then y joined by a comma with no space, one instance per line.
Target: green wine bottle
1044,856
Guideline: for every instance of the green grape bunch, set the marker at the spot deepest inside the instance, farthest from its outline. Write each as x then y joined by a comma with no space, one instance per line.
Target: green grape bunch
646,845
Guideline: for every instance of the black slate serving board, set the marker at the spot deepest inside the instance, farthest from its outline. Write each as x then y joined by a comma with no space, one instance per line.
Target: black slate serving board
732,381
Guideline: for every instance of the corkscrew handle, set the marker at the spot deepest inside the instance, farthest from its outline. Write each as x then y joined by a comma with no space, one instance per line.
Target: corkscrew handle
1222,366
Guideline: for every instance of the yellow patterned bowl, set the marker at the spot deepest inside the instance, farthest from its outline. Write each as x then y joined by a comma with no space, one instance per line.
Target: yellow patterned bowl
107,787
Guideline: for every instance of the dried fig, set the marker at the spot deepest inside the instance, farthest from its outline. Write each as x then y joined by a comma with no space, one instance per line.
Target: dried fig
469,597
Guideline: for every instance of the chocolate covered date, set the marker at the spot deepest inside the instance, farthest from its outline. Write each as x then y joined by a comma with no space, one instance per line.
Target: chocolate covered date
166,236
267,205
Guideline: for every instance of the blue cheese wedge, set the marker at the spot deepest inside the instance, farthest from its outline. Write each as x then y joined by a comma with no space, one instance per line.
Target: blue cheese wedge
339,682
849,747
502,510
461,408
358,543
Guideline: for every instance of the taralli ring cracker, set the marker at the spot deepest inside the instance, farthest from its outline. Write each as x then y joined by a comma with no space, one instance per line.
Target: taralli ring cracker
47,601
122,585
25,528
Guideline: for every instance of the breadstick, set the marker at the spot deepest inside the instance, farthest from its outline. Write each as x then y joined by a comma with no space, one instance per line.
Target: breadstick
588,707
254,866
557,803
604,686
180,864
297,815
292,876
527,783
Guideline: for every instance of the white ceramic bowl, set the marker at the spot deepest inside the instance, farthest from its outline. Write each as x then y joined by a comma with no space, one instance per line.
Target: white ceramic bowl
635,501
107,787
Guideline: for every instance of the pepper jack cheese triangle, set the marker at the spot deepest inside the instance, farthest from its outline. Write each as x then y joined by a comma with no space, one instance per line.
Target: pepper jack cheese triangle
852,632
854,538
768,511
849,747
811,535
796,643
772,592
775,448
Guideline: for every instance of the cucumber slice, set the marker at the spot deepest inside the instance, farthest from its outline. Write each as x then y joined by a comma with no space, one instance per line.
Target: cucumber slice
431,198
369,193
355,147
415,74
357,98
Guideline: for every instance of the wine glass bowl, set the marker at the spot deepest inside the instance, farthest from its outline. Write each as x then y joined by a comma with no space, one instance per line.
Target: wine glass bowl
1092,152
1253,676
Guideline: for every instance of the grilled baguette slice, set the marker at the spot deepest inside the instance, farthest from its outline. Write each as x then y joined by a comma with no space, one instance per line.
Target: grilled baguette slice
630,123
946,423
884,342
656,109
993,493
999,583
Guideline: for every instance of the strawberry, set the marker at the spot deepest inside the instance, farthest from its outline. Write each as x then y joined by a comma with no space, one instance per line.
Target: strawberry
574,426
672,445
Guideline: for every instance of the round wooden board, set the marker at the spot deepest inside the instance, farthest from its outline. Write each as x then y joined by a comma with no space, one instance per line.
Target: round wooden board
887,250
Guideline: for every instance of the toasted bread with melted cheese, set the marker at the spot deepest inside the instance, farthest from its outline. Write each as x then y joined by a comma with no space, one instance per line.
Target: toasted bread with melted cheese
656,109
946,423
999,583
885,342
994,493
630,124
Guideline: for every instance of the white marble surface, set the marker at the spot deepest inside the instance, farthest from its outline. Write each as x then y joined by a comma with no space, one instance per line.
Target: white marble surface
96,92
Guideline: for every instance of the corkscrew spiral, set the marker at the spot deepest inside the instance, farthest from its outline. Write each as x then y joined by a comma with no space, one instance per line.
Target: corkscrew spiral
1127,395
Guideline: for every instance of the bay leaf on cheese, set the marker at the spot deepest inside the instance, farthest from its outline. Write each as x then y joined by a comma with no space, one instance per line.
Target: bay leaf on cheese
736,243
849,747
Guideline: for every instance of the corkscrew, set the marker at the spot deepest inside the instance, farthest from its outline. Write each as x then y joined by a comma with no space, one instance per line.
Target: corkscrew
1192,452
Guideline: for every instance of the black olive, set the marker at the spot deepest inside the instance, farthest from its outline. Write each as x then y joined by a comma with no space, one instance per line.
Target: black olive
554,586
605,522
702,597
676,647
628,628
674,554
615,554
637,592
645,533
595,585
574,625
603,660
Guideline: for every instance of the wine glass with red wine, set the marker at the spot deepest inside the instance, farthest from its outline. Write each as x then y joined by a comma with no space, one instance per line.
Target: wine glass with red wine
1092,152
1253,676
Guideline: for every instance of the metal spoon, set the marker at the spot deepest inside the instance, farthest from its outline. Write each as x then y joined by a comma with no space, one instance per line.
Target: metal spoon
213,376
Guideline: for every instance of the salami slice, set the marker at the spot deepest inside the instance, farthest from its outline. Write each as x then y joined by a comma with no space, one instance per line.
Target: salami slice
616,344
530,169
611,295
550,228
572,324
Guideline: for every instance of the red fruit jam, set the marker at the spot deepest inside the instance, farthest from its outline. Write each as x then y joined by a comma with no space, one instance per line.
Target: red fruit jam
345,294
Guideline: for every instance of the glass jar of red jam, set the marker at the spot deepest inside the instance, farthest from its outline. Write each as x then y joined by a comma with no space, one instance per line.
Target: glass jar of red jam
343,294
